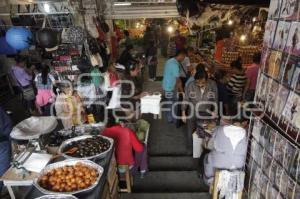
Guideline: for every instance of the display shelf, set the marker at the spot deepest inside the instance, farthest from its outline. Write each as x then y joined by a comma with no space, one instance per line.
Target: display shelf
273,161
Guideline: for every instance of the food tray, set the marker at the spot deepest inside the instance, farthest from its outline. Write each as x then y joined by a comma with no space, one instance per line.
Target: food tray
68,163
83,137
60,196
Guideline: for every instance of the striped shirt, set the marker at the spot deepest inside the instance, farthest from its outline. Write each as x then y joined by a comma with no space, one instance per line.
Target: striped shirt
237,84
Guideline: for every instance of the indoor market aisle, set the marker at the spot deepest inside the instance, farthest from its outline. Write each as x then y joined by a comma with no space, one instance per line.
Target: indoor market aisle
172,171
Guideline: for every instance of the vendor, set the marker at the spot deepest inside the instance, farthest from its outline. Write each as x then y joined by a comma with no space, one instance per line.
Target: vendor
68,106
126,59
228,149
200,93
5,145
44,82
126,142
236,85
131,91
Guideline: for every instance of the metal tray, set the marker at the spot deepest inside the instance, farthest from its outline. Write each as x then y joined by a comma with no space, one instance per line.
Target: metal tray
50,167
83,137
60,196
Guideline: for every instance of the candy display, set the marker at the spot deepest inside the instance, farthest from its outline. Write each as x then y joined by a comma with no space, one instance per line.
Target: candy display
69,177
88,147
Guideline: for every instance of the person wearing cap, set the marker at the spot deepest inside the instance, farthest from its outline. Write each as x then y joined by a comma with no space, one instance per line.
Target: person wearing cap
228,149
5,144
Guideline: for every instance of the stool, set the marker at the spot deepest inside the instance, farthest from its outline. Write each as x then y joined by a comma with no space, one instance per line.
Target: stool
128,178
214,186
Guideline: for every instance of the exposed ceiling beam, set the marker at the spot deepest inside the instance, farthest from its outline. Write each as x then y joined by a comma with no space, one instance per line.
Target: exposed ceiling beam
240,2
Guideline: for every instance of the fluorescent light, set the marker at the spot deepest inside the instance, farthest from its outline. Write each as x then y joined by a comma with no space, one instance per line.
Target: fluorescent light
122,4
47,7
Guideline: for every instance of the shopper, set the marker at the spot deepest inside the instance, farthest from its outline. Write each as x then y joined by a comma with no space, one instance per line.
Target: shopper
200,93
180,41
5,144
252,74
23,77
228,149
149,38
185,69
131,90
44,82
236,85
171,82
171,47
127,146
126,59
222,93
151,57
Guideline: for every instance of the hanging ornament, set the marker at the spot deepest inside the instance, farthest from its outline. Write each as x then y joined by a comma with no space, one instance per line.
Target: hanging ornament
19,38
47,38
75,35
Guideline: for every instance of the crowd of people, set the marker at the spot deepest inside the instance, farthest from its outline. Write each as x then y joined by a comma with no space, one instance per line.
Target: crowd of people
186,79
207,94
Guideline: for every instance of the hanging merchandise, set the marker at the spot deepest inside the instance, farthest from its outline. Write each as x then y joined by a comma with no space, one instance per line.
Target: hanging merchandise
5,48
74,35
19,38
47,38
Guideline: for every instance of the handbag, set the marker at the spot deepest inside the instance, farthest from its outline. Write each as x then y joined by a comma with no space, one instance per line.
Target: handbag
28,93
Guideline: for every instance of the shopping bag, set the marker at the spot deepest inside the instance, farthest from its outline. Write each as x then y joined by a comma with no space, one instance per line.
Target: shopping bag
197,146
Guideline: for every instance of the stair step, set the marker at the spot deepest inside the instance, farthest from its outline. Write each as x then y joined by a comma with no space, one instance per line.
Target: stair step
172,163
169,182
165,196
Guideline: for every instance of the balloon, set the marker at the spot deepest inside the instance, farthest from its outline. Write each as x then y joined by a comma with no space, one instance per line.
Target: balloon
19,38
47,38
5,48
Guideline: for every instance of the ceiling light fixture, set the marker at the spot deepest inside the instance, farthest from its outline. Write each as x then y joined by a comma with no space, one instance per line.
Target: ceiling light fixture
122,4
243,38
170,29
230,22
47,7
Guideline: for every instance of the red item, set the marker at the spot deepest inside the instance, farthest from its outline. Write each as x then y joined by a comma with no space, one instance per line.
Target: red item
113,78
125,141
219,50
114,47
252,73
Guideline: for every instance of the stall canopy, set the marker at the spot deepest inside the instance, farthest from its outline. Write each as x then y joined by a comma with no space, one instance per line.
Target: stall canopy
132,9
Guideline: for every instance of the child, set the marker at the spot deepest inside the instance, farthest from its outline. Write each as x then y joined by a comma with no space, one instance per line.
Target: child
228,149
